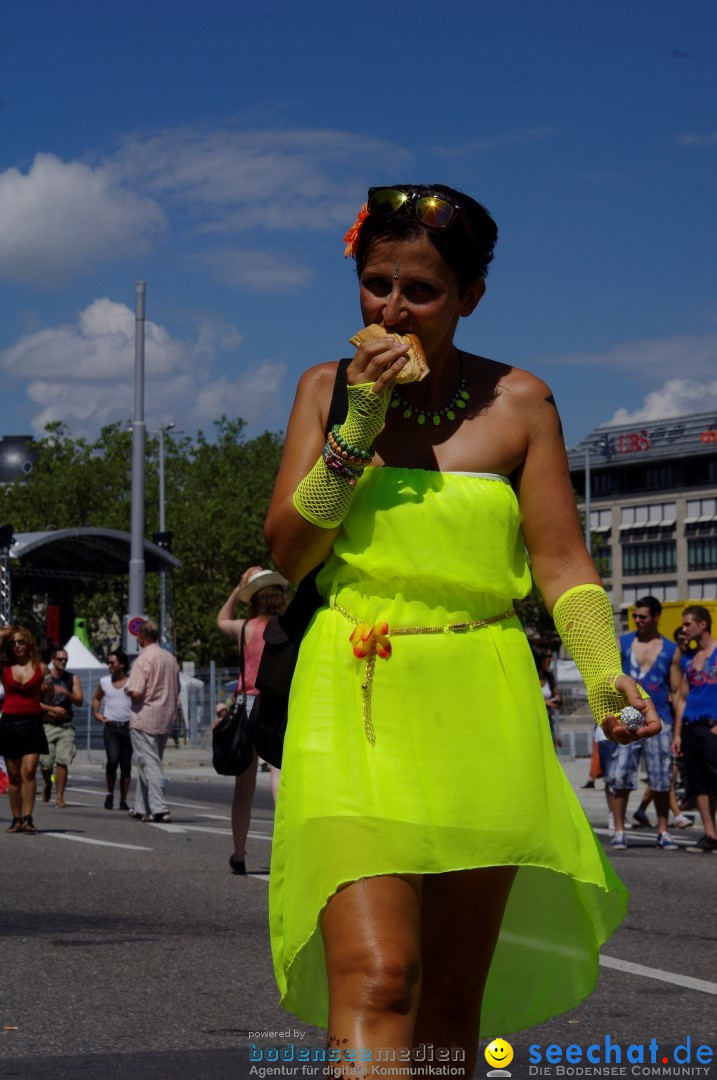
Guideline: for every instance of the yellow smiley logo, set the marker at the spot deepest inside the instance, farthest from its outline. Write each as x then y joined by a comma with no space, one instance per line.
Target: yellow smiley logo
499,1053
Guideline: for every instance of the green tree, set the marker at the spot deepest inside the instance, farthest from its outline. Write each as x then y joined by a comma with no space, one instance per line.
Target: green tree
217,495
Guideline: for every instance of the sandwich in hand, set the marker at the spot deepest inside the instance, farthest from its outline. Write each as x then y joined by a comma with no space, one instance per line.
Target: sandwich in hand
415,367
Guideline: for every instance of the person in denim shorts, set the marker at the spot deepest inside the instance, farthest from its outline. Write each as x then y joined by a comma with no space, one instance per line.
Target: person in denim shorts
646,657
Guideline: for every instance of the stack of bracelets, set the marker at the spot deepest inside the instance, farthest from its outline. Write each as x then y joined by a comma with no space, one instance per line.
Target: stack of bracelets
343,458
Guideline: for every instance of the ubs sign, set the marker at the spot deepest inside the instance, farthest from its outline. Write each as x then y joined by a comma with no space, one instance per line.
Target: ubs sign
633,442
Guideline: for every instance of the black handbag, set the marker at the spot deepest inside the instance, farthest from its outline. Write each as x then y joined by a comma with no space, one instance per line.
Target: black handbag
232,747
284,633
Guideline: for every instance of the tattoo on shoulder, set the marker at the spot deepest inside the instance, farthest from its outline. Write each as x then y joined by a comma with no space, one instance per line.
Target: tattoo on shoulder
551,401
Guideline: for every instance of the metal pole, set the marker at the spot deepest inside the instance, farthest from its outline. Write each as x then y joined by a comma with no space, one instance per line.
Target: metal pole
212,690
136,562
163,597
588,543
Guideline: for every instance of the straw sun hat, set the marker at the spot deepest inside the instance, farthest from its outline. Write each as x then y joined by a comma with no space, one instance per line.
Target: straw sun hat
260,580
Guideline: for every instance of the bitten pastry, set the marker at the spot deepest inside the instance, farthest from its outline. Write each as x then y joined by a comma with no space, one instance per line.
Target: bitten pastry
416,368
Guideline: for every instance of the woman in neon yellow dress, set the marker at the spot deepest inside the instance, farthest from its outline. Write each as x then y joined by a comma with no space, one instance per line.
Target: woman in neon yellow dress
433,875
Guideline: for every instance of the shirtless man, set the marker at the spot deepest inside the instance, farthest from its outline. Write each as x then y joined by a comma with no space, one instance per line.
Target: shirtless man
646,657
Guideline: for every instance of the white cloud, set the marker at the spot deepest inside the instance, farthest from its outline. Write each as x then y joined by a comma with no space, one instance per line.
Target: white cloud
248,270
83,374
253,395
676,397
652,358
508,138
290,179
693,139
61,217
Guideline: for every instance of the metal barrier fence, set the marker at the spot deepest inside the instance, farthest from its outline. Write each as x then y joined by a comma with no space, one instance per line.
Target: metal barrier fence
202,688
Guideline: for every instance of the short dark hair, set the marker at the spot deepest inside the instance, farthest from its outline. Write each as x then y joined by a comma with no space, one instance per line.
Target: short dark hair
701,614
121,657
149,630
651,603
56,649
469,255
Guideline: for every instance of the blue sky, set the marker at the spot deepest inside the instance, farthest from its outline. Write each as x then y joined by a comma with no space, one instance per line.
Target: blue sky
220,151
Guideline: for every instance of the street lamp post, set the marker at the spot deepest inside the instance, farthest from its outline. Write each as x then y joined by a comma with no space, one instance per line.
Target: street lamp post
603,446
136,563
163,589
588,543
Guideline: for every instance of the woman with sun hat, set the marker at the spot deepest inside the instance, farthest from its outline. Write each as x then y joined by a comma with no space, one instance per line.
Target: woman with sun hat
433,874
264,592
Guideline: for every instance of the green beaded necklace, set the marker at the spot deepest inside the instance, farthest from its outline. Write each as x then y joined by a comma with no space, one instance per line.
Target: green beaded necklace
458,401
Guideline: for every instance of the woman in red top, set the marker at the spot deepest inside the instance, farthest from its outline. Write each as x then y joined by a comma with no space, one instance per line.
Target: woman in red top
263,591
22,736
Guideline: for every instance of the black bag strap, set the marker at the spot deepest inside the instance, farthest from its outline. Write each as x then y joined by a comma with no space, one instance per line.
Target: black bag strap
340,398
292,623
242,643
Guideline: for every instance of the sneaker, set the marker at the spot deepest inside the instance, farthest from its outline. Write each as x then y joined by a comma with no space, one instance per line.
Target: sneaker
704,846
164,818
641,818
611,822
666,843
123,805
684,821
109,801
619,842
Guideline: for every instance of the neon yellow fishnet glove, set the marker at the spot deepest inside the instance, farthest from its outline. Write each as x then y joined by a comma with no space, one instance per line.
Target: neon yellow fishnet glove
323,497
583,618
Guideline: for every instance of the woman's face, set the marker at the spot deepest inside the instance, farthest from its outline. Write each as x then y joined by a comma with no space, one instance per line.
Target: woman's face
408,287
19,647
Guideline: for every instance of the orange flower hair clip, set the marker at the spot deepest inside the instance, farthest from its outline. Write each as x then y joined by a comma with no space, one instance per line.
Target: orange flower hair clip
352,236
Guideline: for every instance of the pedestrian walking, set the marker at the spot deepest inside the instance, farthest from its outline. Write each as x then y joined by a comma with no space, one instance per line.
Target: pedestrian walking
264,591
60,728
696,723
153,686
433,875
112,708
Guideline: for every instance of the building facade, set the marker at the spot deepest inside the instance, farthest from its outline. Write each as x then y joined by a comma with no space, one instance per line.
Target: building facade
653,507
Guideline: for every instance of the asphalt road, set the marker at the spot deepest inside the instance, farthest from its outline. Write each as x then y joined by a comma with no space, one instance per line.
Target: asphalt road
130,950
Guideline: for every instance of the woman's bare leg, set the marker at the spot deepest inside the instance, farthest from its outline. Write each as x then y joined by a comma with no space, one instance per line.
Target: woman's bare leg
14,792
372,941
462,916
275,775
244,788
28,770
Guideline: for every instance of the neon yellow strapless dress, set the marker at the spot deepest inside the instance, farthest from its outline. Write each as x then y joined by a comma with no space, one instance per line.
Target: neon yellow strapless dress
462,772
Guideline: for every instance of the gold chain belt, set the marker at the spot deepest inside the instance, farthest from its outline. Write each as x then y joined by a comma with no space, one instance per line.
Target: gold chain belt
370,642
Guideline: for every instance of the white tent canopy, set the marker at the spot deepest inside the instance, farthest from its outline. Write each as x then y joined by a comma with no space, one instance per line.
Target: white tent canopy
79,657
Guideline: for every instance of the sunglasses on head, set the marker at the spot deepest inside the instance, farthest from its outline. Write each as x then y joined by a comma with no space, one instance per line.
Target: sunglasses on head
433,211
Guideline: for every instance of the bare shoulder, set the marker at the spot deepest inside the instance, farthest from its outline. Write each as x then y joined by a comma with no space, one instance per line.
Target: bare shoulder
318,379
524,386
314,391
531,397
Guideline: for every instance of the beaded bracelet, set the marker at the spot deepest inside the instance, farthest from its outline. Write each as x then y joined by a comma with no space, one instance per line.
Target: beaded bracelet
340,467
350,459
355,451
